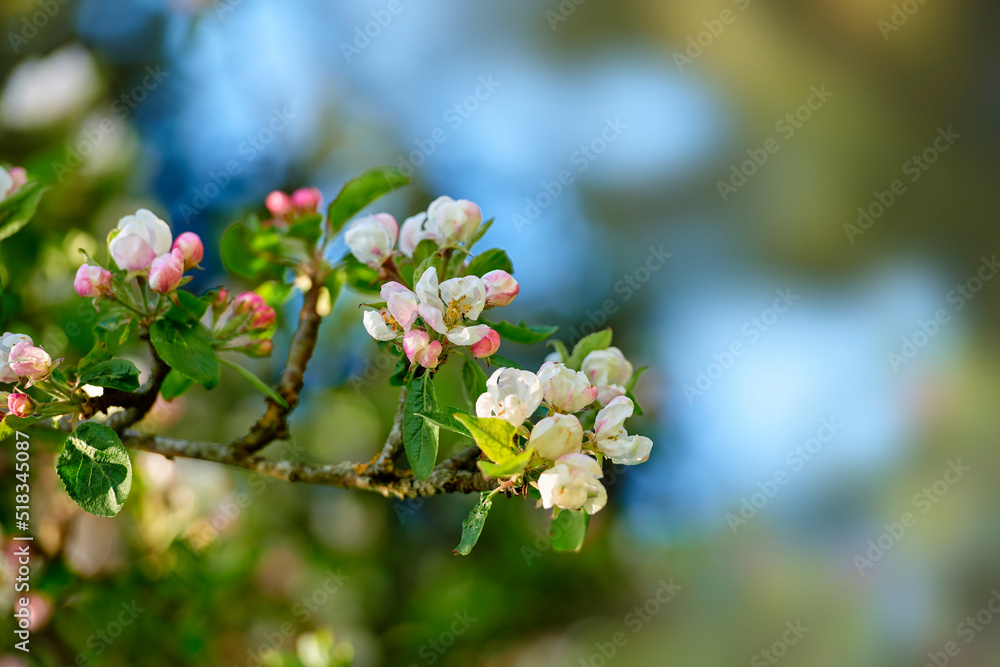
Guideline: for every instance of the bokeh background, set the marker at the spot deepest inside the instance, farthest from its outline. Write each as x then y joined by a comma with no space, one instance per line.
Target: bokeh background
198,109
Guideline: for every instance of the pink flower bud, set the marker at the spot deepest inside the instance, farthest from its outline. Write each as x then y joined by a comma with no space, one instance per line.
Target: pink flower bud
27,360
92,281
222,297
20,405
501,288
166,272
191,249
487,345
278,203
306,199
262,318
259,348
19,176
420,349
247,302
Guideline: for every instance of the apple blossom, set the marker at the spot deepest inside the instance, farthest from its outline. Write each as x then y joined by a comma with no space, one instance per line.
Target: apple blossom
511,395
501,288
371,238
380,324
92,281
401,302
259,348
573,483
487,345
454,221
609,371
564,389
27,360
20,405
141,238
414,230
278,203
444,308
247,302
262,317
11,180
7,343
420,349
166,272
556,436
614,440
191,249
306,199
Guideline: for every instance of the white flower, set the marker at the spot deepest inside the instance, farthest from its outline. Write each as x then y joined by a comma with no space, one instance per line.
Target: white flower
501,288
454,221
7,343
401,302
415,229
614,440
609,371
556,436
572,483
371,238
444,308
564,389
379,324
141,238
511,395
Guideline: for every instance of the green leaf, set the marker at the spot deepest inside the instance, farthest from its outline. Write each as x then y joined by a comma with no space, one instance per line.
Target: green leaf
637,409
492,435
308,228
398,377
359,276
500,361
473,381
252,253
472,527
567,530
95,469
634,380
523,333
435,260
361,191
97,354
186,350
445,418
188,308
334,283
509,468
258,384
115,328
420,436
424,249
560,347
480,233
113,373
489,260
598,340
11,424
174,385
275,293
17,210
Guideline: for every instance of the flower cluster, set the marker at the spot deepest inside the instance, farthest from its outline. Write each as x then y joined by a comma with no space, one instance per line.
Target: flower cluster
434,315
285,207
570,452
241,323
21,361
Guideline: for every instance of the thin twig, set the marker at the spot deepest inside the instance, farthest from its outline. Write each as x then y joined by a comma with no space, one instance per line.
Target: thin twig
393,443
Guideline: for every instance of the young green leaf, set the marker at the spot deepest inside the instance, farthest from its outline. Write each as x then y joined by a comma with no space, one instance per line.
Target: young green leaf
308,228
634,380
480,233
95,469
252,254
10,424
186,350
361,191
174,385
523,333
560,347
420,436
257,383
509,468
493,435
598,340
489,260
472,527
445,418
567,530
17,210
113,374
501,361
473,381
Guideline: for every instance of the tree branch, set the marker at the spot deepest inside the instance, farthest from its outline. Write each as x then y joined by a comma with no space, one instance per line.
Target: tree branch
393,443
136,403
274,423
392,484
